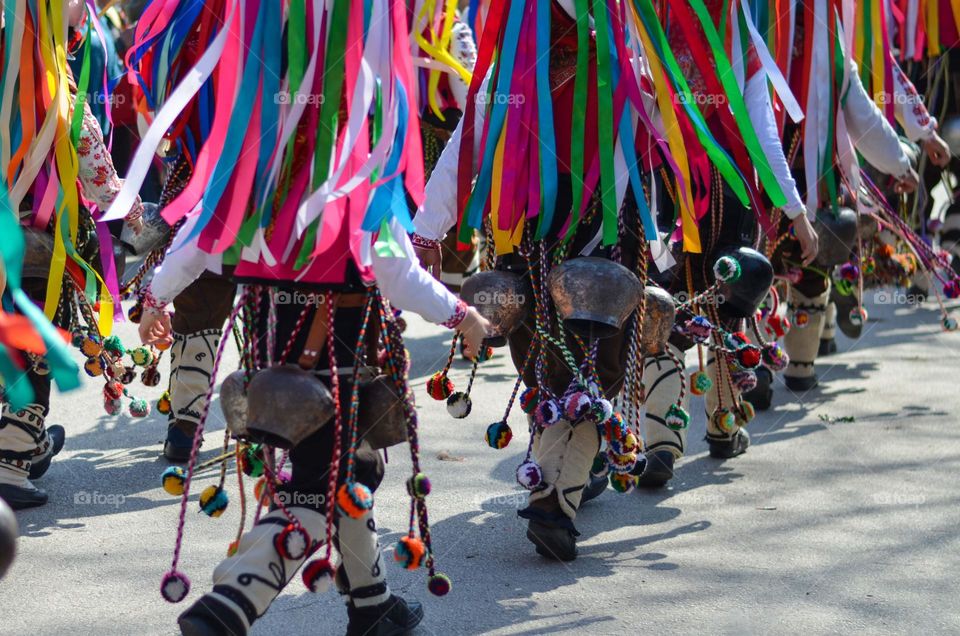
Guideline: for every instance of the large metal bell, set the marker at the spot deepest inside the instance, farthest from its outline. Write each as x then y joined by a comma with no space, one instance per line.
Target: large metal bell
233,403
37,253
8,537
594,295
154,235
838,235
503,298
285,405
742,297
659,313
381,418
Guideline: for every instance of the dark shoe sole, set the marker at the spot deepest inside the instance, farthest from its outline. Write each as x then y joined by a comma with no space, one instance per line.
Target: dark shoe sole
57,436
22,498
557,544
800,384
196,626
732,448
658,470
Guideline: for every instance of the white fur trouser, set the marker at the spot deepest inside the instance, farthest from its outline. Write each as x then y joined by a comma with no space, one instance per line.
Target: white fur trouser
23,440
662,381
191,365
803,343
565,454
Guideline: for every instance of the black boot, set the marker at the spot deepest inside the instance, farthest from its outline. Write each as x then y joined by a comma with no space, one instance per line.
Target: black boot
827,346
551,532
803,384
761,396
57,437
656,471
209,617
178,444
596,483
727,448
846,304
393,617
23,497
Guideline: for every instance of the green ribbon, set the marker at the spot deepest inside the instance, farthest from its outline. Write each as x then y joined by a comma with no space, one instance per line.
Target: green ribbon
386,244
579,112
605,119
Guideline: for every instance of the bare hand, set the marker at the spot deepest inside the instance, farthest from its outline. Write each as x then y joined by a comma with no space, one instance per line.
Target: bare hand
431,259
809,241
908,183
474,328
155,329
937,150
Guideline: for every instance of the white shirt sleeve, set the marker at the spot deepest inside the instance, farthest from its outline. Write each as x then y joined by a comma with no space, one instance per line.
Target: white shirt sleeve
909,109
410,287
439,210
870,132
178,270
761,116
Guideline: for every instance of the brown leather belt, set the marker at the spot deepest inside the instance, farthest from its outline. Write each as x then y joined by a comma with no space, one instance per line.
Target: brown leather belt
320,327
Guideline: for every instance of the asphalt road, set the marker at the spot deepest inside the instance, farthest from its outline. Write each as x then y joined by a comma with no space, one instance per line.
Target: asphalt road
826,525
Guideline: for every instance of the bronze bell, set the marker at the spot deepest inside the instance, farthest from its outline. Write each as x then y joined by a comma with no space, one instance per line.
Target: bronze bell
37,254
742,297
658,317
838,235
233,403
8,537
285,405
594,295
153,236
503,298
381,418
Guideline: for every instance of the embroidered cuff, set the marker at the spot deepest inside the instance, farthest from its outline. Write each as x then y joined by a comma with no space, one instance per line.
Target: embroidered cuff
135,212
458,315
153,304
423,242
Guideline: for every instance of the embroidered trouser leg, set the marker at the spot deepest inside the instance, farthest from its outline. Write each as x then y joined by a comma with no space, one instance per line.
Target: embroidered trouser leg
565,453
663,381
23,435
803,340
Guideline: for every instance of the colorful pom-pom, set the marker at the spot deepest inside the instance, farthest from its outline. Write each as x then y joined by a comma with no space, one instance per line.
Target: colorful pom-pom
77,337
774,357
529,475
623,482
529,400
293,542
128,375
163,404
576,406
141,356
418,486
93,367
601,409
213,501
260,491
779,325
677,418
459,405
621,463
699,328
548,413
251,460
951,289
744,380
485,354
318,575
439,584
135,313
139,407
748,356
113,345
112,406
869,265
112,390
173,480
498,435
439,386
410,552
949,323
174,586
726,269
725,420
600,467
354,499
700,383
91,345
747,412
